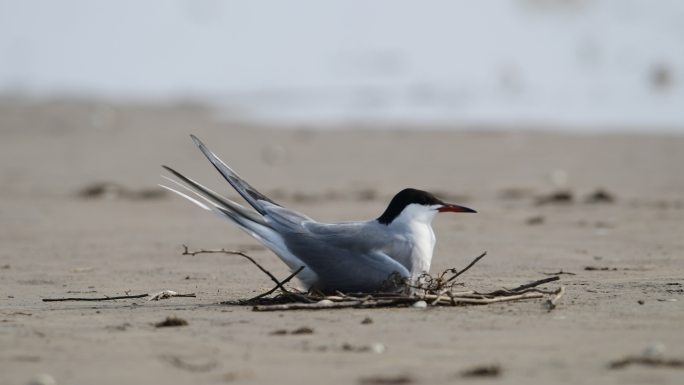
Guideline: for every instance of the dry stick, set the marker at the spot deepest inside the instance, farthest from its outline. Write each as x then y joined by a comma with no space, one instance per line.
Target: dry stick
337,298
648,361
559,273
467,298
464,293
284,281
436,298
535,283
439,297
240,253
190,295
471,294
445,291
449,295
505,292
467,267
205,251
485,301
550,304
94,299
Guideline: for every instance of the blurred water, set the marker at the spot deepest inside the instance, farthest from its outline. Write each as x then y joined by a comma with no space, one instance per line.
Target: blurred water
573,64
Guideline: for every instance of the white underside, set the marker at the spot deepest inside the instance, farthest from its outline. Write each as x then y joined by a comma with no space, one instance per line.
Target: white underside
415,224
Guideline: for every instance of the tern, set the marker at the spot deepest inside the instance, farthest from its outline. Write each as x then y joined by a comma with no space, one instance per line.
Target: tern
349,256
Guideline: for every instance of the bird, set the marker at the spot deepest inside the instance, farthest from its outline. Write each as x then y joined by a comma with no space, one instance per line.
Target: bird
356,256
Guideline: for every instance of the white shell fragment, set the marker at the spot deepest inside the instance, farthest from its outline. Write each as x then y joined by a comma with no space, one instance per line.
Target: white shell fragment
163,295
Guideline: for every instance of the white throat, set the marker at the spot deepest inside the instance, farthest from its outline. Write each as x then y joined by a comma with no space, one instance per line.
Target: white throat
415,223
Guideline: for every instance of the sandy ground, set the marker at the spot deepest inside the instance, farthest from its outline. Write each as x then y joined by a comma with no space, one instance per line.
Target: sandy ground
57,243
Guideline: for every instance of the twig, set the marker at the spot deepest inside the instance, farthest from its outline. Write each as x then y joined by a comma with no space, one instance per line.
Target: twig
283,282
648,361
439,297
279,285
467,267
535,283
505,292
560,272
186,251
447,296
94,299
486,301
550,304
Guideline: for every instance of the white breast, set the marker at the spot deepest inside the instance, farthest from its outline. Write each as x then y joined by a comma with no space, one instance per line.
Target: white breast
414,224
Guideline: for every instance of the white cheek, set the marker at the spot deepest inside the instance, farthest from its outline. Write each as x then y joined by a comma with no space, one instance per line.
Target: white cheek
415,213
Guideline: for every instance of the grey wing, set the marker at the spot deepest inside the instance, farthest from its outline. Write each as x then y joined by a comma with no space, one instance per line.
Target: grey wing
285,219
358,272
346,257
249,193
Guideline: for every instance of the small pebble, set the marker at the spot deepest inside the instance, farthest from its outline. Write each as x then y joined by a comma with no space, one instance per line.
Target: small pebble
171,322
557,197
535,220
420,304
655,350
600,196
559,177
302,330
482,371
43,379
377,348
400,379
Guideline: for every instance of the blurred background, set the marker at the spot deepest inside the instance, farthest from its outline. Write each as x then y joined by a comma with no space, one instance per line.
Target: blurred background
560,121
581,65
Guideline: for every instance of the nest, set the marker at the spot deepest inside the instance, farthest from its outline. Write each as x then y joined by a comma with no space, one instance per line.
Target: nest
443,289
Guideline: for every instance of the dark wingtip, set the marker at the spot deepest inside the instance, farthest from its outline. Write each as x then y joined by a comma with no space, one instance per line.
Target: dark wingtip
169,169
196,140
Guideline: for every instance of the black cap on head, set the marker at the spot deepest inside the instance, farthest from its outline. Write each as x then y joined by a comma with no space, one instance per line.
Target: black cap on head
404,198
